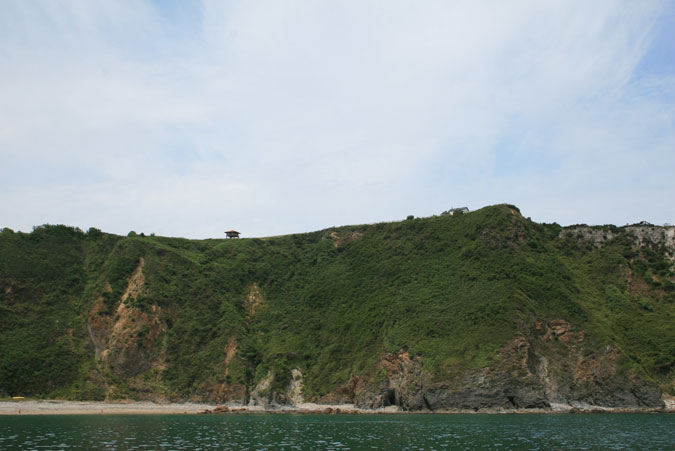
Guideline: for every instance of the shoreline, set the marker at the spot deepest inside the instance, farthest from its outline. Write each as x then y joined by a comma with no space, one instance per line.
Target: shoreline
60,407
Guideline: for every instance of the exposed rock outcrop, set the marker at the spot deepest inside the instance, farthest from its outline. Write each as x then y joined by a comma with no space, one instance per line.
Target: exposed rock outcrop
126,341
262,395
641,234
294,389
526,377
340,239
645,234
398,381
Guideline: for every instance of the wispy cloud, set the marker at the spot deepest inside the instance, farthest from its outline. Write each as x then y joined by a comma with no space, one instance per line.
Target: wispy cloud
274,118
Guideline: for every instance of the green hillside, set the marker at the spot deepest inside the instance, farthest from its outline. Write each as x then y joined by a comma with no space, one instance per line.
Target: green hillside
89,315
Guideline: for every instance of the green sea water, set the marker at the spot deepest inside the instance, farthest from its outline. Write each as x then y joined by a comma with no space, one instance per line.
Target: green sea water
268,432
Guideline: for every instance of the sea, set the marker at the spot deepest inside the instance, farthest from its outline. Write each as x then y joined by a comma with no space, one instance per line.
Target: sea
339,432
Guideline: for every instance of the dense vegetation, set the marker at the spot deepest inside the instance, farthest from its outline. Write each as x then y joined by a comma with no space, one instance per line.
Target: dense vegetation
453,290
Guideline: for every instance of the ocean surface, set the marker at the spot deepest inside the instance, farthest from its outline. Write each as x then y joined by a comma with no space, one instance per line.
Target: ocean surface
391,432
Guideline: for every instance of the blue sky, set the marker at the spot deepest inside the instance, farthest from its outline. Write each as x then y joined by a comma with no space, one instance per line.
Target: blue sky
191,118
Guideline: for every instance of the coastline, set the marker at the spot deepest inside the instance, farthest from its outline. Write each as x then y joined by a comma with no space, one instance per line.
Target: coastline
60,407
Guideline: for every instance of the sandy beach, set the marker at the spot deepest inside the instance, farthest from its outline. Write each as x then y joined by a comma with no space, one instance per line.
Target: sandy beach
55,407
59,407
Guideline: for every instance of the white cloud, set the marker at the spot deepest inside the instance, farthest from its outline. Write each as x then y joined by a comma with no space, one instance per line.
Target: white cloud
275,118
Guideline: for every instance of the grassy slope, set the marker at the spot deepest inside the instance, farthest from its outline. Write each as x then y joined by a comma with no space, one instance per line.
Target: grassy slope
451,289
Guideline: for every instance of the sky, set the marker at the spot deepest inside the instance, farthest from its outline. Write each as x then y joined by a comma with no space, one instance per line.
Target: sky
189,118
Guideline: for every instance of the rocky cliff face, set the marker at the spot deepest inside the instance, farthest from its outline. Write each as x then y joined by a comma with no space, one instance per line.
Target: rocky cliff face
549,367
641,235
127,343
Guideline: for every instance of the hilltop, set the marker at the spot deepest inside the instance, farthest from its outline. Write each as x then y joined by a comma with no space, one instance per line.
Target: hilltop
481,310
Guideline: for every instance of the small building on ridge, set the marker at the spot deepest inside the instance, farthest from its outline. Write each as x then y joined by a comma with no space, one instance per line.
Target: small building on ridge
454,211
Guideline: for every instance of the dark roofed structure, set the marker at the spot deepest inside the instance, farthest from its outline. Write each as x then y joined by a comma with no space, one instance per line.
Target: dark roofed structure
232,234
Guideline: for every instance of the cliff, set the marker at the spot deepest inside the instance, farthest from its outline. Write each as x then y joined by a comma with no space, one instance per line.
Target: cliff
475,311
